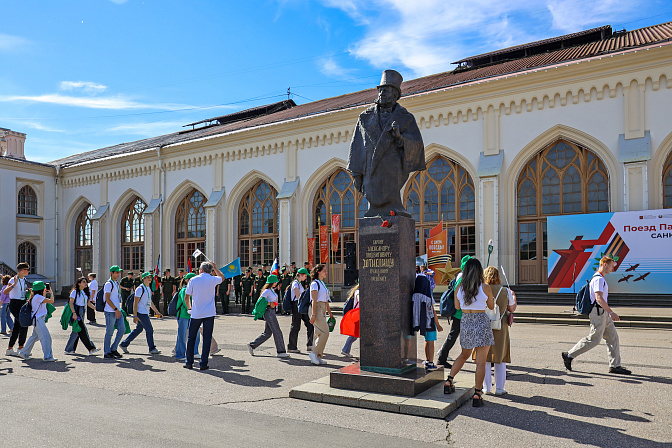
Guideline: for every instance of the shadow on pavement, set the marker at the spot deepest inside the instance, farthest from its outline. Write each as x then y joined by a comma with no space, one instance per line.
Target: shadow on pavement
577,409
543,376
125,363
540,422
223,367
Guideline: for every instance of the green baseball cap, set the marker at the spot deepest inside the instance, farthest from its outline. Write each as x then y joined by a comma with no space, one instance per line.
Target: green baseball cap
145,275
303,271
190,276
272,279
115,268
38,286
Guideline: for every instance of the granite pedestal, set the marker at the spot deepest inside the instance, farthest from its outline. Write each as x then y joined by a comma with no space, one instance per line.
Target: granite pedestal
388,348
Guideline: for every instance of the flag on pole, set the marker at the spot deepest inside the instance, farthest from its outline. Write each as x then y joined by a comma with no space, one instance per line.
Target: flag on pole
311,252
275,268
232,269
335,229
156,274
197,253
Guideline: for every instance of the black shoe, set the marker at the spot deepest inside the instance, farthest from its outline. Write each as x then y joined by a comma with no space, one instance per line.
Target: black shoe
204,367
109,356
567,360
116,354
445,364
188,366
619,370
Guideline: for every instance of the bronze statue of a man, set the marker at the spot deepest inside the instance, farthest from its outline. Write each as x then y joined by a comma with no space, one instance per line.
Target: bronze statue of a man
386,147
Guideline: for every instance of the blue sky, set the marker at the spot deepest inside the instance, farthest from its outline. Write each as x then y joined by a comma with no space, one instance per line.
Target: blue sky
77,75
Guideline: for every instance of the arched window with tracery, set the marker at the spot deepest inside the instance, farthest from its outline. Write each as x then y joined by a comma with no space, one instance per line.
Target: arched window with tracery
337,196
190,229
133,236
444,192
27,253
667,182
84,241
258,225
27,201
562,179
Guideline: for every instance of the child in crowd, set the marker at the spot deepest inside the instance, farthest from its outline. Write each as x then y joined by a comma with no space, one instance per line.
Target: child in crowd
425,319
38,303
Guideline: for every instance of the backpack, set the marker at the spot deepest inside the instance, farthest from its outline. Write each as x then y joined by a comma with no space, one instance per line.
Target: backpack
100,298
447,302
172,306
349,305
287,299
583,303
305,300
130,300
26,314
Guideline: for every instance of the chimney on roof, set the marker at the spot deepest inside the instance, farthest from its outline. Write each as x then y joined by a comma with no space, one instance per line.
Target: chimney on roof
11,144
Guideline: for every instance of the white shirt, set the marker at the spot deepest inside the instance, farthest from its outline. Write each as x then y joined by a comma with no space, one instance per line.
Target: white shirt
297,284
112,287
598,283
322,291
19,292
79,296
269,295
202,291
39,308
478,303
145,294
93,287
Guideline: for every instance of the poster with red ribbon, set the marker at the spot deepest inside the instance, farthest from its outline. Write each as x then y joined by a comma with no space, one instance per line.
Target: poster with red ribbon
335,229
311,252
324,244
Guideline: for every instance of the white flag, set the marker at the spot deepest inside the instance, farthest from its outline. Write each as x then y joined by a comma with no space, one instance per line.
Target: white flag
79,269
197,253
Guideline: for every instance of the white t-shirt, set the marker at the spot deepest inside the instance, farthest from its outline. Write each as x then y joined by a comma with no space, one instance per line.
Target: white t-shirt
145,294
202,291
19,292
270,296
93,287
322,291
112,287
598,283
479,303
79,296
39,308
297,284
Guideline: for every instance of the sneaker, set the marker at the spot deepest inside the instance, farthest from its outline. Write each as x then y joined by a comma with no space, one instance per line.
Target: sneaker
250,349
69,353
94,351
109,356
322,361
52,359
154,351
430,366
445,364
313,359
283,355
22,356
173,352
567,360
346,354
449,359
500,392
204,367
123,349
11,352
197,356
180,359
619,370
188,366
294,350
116,354
487,391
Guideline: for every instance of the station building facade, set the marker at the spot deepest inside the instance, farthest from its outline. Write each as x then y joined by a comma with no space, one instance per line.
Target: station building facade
574,124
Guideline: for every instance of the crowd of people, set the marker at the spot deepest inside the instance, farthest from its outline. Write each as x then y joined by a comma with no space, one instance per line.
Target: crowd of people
481,316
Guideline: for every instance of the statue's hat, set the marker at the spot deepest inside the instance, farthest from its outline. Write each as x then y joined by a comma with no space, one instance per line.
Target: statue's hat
391,78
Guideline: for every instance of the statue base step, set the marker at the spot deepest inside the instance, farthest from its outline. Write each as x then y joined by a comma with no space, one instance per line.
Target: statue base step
408,384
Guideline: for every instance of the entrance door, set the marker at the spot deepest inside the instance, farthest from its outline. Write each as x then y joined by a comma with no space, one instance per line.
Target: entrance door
532,252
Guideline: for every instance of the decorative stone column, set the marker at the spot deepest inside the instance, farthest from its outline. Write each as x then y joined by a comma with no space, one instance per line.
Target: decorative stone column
634,154
286,203
99,241
489,169
212,232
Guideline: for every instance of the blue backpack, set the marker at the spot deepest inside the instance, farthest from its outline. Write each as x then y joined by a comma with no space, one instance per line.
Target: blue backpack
305,300
26,314
583,303
287,299
172,306
447,302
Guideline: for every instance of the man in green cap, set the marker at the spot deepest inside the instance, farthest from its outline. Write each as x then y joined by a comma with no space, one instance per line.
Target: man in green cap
297,289
127,285
113,316
442,358
167,289
247,284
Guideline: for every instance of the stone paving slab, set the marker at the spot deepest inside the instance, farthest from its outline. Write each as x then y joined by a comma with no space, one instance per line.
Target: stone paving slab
432,403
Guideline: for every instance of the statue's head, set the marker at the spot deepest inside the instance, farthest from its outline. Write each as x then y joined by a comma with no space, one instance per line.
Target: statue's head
389,90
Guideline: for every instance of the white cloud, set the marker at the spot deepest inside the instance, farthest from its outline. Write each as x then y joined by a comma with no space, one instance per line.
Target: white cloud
425,36
147,129
119,2
11,43
330,67
98,102
88,87
39,126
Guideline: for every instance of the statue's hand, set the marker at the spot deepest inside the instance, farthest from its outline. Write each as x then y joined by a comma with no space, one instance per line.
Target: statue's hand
394,130
358,183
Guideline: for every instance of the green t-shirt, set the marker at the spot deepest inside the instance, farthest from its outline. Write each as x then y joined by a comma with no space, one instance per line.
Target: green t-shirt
182,312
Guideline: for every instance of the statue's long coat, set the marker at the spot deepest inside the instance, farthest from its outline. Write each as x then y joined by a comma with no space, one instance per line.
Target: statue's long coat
383,165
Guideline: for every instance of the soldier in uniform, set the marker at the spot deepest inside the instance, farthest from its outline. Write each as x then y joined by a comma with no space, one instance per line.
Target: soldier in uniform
167,289
238,287
224,294
285,280
156,294
247,284
127,287
259,283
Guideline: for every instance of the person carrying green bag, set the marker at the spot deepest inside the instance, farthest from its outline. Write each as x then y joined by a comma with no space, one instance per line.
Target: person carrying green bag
76,308
114,318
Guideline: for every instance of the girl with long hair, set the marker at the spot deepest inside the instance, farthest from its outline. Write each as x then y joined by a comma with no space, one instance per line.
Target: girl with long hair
271,328
319,297
79,297
38,303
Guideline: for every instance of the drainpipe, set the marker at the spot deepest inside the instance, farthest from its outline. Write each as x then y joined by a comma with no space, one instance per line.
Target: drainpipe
162,188
58,172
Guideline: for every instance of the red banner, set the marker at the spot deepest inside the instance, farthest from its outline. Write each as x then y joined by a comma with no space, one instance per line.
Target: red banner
437,251
311,252
436,230
335,229
324,244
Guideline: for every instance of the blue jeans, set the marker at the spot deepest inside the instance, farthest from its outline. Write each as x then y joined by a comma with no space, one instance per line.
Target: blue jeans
208,325
41,333
181,344
6,318
143,324
110,320
348,344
